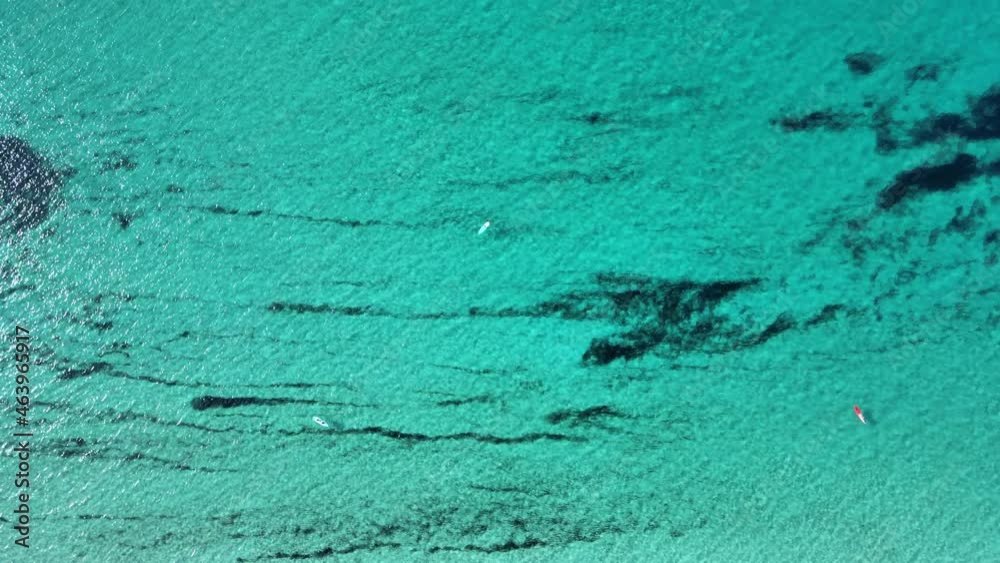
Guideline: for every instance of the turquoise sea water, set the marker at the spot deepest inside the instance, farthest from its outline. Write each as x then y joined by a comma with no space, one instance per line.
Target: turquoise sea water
710,237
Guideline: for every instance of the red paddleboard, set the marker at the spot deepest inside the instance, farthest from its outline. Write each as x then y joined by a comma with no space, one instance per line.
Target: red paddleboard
860,415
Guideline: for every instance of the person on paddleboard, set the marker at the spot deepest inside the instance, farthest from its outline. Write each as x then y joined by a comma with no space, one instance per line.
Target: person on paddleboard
859,414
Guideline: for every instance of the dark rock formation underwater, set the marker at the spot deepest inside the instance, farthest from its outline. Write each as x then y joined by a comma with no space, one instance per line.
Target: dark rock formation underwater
28,186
